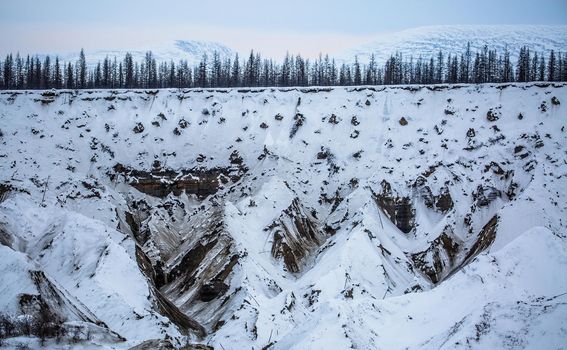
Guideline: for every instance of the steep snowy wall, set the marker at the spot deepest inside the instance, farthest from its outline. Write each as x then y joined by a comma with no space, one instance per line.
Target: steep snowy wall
297,218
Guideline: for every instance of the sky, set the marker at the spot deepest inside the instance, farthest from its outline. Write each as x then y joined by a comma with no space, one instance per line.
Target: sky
272,27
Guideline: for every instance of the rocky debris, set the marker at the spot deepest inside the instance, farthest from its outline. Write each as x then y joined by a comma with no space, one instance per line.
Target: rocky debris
263,125
333,119
440,258
324,153
367,103
492,116
439,130
299,120
555,101
521,152
296,236
398,209
484,195
357,155
183,123
138,128
354,121
162,116
403,121
278,117
235,158
471,132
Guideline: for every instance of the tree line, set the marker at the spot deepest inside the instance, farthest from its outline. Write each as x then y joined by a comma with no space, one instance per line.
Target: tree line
484,66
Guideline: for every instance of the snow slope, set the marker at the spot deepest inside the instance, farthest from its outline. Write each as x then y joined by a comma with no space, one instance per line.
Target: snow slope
190,50
321,218
428,41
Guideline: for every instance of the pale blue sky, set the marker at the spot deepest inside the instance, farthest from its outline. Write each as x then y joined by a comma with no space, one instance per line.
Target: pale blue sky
269,26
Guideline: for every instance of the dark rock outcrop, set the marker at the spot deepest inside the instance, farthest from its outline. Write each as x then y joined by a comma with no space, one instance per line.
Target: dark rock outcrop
200,182
440,258
398,209
296,236
484,195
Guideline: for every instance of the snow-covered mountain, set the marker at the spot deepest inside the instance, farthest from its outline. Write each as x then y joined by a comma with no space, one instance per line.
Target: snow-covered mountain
401,217
190,50
427,41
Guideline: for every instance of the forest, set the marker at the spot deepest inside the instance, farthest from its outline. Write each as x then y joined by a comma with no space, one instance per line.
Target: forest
485,66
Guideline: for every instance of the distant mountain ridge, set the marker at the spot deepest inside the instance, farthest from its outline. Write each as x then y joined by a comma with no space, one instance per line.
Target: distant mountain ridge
190,50
421,41
427,41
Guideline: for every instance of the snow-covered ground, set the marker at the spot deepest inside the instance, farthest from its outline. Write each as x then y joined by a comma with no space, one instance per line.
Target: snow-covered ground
368,218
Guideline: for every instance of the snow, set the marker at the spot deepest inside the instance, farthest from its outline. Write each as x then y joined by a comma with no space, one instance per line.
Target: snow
191,51
361,287
429,40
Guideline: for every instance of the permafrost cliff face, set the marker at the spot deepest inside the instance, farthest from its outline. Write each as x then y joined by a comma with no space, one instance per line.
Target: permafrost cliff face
369,218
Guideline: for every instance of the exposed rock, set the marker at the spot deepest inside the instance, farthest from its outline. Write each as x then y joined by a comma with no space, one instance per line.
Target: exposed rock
138,128
4,190
492,116
484,195
200,182
471,132
555,101
333,119
299,119
295,236
440,258
212,290
264,125
183,123
324,153
521,152
235,158
354,121
484,239
398,209
443,202
403,121
278,117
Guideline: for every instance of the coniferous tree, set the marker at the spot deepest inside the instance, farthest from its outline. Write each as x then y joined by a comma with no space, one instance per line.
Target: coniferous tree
82,70
57,79
357,72
69,78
